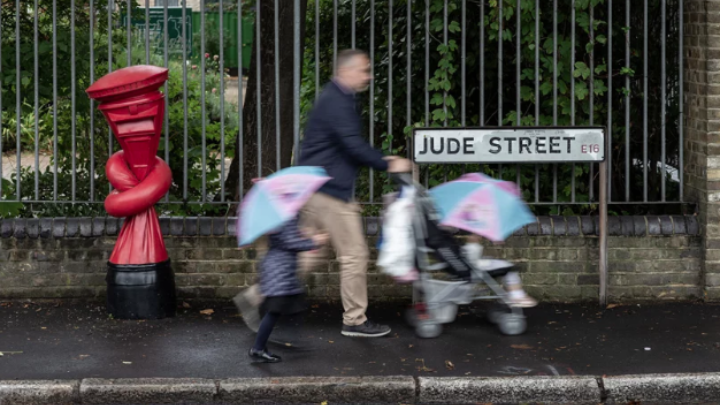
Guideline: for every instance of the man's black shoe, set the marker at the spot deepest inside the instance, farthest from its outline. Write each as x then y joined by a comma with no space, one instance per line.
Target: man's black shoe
367,329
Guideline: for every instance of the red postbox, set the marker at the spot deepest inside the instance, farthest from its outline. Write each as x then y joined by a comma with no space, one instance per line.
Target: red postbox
140,279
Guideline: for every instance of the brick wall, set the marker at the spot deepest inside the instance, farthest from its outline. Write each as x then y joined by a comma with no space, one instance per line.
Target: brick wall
702,130
650,258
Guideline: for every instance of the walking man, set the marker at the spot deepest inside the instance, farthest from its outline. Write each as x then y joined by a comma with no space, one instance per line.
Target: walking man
333,140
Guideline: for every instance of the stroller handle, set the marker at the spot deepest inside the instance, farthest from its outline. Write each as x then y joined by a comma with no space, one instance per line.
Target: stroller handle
402,179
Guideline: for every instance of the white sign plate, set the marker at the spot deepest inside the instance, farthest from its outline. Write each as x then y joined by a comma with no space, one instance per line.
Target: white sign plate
509,145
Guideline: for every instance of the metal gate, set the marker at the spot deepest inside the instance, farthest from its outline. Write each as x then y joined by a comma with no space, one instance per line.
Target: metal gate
457,63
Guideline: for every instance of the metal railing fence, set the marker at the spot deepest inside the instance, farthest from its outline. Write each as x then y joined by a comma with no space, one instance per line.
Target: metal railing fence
435,63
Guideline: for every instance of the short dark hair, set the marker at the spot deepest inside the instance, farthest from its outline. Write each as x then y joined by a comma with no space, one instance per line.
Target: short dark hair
344,57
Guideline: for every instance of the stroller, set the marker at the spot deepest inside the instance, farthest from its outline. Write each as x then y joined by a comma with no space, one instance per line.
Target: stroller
435,301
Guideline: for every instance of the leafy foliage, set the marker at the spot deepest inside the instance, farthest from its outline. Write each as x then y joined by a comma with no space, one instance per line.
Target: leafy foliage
92,143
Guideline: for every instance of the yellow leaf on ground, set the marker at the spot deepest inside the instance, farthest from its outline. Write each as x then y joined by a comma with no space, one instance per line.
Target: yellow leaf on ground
423,367
207,311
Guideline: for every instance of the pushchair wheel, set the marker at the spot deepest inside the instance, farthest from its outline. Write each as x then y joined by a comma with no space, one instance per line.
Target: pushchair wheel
496,312
428,330
494,315
511,324
416,314
411,317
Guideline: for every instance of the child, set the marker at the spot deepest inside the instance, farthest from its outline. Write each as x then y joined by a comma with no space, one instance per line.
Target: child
279,283
518,297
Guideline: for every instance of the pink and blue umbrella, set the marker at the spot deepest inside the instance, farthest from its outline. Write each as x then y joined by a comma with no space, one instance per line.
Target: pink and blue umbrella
508,186
481,205
276,199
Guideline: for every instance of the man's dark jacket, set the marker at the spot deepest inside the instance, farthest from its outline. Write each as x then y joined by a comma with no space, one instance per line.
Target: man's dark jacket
333,141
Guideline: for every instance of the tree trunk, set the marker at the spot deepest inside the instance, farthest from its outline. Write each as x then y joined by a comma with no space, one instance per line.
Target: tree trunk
268,125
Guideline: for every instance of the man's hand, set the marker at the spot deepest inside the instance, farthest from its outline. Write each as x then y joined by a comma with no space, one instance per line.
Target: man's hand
307,231
398,165
320,239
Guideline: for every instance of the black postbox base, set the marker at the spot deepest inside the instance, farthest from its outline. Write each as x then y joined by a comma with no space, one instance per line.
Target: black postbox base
141,291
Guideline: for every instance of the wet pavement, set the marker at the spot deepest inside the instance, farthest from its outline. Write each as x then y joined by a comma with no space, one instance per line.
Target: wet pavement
72,341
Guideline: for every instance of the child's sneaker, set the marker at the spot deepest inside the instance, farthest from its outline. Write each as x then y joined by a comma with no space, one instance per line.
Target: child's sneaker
520,299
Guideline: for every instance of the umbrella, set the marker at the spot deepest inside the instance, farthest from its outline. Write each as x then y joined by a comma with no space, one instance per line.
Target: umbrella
277,199
485,207
508,186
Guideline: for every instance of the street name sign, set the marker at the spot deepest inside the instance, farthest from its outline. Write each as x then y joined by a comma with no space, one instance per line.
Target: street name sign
509,145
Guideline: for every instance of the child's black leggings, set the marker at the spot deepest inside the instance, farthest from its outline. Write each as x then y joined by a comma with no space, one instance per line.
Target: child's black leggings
266,327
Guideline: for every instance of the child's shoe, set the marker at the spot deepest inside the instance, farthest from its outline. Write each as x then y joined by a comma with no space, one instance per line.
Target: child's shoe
520,299
263,356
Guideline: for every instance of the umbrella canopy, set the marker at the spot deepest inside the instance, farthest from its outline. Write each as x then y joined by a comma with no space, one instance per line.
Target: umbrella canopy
481,205
508,186
277,199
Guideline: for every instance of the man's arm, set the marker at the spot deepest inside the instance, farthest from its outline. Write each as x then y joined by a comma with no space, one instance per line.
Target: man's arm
346,125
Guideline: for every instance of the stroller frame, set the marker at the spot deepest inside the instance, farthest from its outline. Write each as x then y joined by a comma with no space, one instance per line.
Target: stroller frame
435,302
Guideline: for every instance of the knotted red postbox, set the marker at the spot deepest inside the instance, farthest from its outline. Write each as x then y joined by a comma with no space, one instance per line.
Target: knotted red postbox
140,279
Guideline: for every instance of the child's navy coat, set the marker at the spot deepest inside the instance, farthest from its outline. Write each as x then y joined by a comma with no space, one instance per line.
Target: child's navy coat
278,270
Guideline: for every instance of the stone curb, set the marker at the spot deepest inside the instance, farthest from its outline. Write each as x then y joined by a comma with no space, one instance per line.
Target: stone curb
315,390
545,390
39,392
147,391
648,388
663,388
637,226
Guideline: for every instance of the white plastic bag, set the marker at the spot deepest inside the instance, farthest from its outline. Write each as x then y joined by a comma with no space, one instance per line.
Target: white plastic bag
397,252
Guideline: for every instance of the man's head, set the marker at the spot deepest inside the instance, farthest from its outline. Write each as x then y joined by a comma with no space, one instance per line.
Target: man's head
353,70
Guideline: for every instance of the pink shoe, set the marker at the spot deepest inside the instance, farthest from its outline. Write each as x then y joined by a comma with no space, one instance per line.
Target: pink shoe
524,301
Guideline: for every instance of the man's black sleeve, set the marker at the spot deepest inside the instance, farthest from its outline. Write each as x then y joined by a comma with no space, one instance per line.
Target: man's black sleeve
346,123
